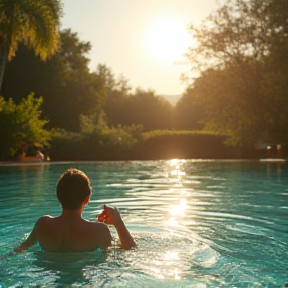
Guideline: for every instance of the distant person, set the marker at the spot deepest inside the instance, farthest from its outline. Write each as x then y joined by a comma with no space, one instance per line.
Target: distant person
40,155
69,232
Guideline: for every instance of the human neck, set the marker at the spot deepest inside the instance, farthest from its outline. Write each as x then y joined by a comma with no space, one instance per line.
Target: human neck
72,213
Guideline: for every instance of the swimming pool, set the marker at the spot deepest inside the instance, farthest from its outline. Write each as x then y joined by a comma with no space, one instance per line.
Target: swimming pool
197,224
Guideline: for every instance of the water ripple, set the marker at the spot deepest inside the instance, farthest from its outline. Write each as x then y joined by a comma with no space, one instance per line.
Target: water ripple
197,224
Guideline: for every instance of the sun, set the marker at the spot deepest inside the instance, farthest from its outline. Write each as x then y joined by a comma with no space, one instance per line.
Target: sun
167,39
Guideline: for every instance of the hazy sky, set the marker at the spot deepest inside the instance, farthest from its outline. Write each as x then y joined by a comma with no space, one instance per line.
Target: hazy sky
140,39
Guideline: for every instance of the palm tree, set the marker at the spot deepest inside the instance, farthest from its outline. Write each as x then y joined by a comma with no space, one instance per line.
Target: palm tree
35,23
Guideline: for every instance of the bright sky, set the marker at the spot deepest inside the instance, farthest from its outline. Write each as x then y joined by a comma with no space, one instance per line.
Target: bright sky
139,39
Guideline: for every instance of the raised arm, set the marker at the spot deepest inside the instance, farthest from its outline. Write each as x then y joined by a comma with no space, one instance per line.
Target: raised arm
111,216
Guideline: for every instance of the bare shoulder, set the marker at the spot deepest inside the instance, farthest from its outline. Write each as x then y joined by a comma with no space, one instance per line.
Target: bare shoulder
102,233
100,227
43,220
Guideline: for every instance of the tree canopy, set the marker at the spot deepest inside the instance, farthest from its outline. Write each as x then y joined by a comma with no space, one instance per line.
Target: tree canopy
242,58
140,108
188,114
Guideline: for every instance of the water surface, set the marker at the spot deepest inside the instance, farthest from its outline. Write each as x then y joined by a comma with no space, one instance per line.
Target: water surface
197,224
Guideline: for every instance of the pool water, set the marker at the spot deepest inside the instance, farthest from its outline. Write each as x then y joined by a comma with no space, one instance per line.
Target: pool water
197,224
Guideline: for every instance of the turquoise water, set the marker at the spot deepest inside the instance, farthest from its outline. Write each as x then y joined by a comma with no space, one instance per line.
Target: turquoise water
197,224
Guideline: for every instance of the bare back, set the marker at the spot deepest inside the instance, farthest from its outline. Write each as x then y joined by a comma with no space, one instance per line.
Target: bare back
73,234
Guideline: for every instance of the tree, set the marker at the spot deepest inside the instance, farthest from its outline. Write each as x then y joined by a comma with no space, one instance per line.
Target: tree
21,126
242,58
124,107
139,108
188,114
34,23
65,82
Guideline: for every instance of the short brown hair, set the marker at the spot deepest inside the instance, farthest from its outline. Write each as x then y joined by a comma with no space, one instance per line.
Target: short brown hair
72,189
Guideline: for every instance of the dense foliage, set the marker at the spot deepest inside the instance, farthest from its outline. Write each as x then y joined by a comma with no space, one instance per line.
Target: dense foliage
64,81
95,141
123,143
21,126
140,108
243,60
189,112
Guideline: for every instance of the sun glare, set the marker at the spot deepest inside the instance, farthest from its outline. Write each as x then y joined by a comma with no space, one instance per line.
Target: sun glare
167,39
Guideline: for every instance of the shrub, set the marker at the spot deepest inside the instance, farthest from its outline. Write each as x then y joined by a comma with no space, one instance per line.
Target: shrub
21,126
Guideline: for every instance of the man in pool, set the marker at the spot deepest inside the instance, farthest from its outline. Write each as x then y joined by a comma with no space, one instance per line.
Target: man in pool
69,232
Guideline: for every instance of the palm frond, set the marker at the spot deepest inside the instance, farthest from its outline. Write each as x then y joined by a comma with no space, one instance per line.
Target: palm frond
36,23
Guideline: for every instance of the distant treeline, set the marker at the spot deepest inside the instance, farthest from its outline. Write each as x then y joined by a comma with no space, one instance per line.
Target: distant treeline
69,89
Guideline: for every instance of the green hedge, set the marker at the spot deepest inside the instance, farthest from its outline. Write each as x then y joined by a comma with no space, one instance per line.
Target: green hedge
152,145
188,145
164,133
